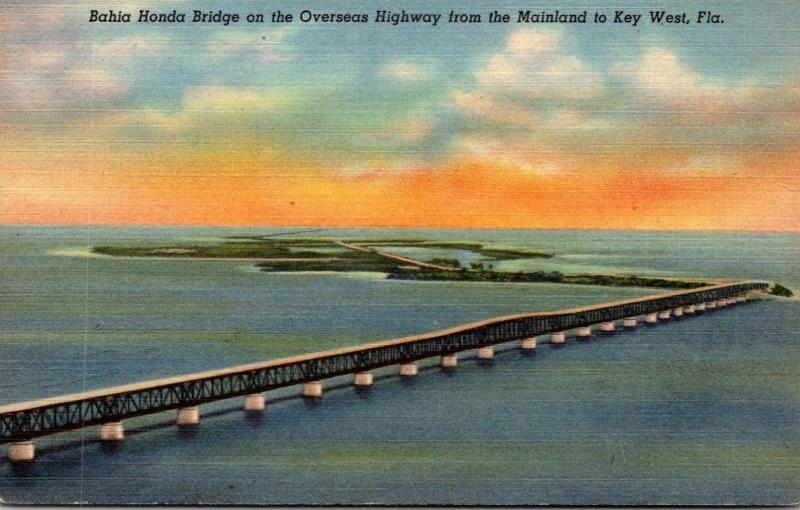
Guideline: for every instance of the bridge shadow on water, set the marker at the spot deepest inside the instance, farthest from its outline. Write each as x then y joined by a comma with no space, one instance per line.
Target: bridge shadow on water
312,403
111,448
362,392
485,363
407,382
255,419
188,432
23,470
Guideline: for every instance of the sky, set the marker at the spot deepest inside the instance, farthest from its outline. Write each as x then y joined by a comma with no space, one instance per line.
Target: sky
461,126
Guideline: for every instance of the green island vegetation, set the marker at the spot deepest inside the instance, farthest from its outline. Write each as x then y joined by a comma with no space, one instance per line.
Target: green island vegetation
446,262
250,250
546,276
482,249
346,255
777,289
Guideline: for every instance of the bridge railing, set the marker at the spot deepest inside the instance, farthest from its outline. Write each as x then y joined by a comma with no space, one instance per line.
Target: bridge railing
28,420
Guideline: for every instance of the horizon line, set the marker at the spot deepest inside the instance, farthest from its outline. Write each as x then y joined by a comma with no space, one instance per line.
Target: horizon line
393,227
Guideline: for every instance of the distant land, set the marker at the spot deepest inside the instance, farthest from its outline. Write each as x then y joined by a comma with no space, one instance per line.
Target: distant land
358,255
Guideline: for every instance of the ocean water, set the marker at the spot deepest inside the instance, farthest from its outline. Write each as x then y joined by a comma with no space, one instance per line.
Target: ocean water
699,411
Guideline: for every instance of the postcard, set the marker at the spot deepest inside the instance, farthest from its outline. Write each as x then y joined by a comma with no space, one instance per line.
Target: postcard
418,252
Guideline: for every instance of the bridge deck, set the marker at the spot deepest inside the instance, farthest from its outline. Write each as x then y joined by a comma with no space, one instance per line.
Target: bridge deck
50,415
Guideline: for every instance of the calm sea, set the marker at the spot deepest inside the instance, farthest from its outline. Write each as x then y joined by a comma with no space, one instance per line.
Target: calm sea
700,411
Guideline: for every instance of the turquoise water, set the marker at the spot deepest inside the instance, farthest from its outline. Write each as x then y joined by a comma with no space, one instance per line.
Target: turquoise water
701,411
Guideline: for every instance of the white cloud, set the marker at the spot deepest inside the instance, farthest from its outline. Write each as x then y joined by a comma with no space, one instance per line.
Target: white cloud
659,76
536,64
531,74
403,71
527,155
202,108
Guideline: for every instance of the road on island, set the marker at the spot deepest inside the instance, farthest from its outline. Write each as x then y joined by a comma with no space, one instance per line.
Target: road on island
408,260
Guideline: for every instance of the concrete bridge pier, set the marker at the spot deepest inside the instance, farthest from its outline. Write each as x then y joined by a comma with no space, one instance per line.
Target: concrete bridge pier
584,332
558,338
731,301
113,431
651,318
741,299
21,451
450,361
408,369
677,312
528,344
362,379
700,308
722,303
688,310
312,389
711,305
607,328
486,352
255,403
664,315
188,416
630,323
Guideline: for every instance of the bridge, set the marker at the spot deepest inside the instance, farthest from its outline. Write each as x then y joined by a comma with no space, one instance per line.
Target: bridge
21,423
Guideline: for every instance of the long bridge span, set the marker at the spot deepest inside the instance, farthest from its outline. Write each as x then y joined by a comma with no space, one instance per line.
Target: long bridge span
22,422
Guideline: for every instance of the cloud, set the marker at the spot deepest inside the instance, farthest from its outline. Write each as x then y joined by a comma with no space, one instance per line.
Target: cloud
706,163
526,109
536,64
492,109
405,131
231,99
403,71
531,156
532,75
52,78
412,130
570,119
537,106
226,111
659,77
69,75
710,120
392,145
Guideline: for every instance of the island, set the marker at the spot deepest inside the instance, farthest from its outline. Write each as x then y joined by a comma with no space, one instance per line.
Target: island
271,254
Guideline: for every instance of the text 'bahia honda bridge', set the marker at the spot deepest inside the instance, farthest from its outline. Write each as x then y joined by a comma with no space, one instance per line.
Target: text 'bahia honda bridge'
21,423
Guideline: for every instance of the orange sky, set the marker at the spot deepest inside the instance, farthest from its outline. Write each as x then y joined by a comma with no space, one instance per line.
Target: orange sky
465,195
